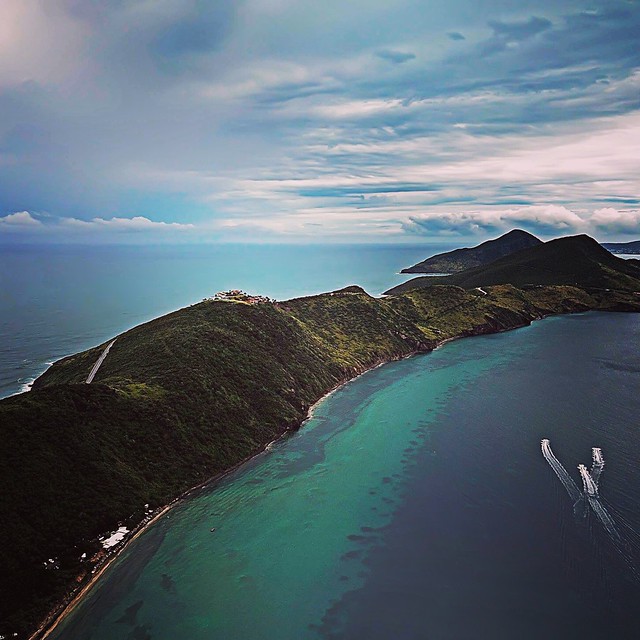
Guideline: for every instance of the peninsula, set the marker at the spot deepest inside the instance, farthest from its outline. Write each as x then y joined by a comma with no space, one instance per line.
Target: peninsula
629,248
183,398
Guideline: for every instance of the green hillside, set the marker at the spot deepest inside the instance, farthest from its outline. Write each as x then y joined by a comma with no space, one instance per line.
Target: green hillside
468,258
574,261
187,396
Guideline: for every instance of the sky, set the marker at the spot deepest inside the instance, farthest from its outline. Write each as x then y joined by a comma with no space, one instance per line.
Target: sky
145,121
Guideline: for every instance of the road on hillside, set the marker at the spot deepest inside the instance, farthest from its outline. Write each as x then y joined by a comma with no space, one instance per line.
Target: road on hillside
100,360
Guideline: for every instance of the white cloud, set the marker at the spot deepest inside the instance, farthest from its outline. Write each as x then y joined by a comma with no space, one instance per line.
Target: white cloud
611,220
549,220
53,229
20,219
356,108
552,218
137,223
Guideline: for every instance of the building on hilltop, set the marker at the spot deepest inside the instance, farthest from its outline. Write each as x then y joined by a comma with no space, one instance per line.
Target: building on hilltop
237,295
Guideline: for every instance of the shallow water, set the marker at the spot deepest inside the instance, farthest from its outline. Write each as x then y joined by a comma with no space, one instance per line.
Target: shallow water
416,503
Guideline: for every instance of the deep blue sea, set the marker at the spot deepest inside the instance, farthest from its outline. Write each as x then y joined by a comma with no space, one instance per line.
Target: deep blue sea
58,300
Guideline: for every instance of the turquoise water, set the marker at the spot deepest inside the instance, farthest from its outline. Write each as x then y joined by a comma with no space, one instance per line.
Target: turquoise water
59,300
414,504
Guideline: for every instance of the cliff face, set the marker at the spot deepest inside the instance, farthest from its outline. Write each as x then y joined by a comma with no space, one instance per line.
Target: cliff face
186,396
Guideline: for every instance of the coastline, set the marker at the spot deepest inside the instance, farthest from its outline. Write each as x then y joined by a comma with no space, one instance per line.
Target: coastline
73,599
75,596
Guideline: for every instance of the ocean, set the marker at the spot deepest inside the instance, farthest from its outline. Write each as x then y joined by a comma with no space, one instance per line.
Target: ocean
58,300
415,504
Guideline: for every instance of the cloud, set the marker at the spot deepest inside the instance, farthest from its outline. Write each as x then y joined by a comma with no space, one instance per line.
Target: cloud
549,221
518,31
39,42
357,108
397,57
291,116
546,220
20,219
512,35
25,227
137,223
613,222
200,29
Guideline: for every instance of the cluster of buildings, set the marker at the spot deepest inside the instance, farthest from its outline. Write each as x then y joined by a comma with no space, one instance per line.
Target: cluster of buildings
237,295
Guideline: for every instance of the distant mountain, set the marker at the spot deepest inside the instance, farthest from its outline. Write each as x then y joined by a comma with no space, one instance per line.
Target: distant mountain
485,253
623,247
576,260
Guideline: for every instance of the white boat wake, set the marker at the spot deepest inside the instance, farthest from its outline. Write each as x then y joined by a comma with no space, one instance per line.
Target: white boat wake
560,471
590,487
590,480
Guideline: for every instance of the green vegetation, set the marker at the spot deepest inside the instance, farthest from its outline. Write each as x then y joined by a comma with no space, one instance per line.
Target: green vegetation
188,395
574,261
461,259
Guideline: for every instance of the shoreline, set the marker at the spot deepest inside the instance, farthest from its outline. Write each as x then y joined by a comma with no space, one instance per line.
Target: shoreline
75,597
71,600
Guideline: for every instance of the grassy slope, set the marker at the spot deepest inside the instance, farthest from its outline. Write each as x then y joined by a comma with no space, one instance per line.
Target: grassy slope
577,260
190,394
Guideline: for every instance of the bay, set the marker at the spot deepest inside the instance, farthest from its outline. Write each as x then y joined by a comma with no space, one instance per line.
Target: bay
415,504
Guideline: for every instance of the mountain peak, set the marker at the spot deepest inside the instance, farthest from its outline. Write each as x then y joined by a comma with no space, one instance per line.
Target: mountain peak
573,260
516,233
484,253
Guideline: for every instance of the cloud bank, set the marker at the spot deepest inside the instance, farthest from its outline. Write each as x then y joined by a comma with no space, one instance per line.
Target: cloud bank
379,121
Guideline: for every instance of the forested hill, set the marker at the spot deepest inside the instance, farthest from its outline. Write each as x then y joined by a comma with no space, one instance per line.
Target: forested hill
574,261
188,395
468,258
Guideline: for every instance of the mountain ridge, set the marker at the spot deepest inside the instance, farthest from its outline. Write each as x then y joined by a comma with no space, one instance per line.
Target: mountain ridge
469,257
572,260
